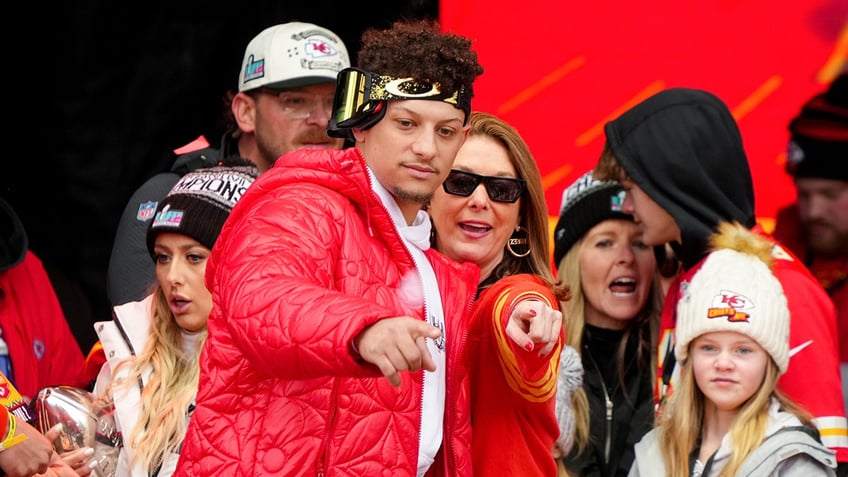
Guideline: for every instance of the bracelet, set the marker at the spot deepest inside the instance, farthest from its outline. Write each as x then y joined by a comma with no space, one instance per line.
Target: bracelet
11,439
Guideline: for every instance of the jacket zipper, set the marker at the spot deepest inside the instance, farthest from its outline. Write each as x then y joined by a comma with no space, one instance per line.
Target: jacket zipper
331,424
426,320
417,267
451,454
609,407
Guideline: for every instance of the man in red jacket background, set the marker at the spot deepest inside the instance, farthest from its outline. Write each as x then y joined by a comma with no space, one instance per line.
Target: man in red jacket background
815,228
40,349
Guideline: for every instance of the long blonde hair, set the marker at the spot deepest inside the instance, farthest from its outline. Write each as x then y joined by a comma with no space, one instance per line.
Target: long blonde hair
644,328
682,418
169,390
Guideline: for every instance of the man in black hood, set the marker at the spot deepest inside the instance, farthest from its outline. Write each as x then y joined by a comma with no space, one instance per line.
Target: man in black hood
679,155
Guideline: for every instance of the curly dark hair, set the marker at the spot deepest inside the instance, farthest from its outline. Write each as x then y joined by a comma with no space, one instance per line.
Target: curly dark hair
418,48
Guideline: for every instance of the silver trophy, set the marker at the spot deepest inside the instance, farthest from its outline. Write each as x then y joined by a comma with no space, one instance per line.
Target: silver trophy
85,423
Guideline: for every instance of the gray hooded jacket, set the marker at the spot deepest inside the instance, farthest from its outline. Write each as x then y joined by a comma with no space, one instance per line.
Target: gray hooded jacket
788,451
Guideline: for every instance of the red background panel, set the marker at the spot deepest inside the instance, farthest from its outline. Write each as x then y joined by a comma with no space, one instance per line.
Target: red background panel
557,71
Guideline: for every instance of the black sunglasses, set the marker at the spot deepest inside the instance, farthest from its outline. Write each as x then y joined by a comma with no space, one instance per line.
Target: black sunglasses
500,189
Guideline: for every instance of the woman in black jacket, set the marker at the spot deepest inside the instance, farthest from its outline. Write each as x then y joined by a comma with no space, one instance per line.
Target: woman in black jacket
612,320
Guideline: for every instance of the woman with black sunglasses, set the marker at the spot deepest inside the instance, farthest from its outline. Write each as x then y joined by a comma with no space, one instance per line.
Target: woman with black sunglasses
491,211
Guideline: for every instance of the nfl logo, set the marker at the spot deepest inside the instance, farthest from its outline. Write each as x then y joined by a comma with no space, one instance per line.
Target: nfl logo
146,211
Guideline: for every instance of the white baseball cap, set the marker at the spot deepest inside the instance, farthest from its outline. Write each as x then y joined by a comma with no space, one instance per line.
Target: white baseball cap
291,55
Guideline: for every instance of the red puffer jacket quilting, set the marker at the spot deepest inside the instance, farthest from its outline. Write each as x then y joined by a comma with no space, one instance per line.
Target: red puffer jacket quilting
307,259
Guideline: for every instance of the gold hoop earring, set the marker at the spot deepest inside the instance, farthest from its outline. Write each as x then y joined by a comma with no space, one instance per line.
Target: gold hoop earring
520,240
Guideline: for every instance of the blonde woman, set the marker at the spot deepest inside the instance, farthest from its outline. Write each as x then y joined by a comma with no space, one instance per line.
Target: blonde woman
613,320
152,345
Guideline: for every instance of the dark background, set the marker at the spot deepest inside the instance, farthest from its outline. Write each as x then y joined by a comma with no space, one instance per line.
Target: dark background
104,92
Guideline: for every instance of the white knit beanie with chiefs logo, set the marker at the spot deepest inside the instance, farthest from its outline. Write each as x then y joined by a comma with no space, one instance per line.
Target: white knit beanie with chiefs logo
734,289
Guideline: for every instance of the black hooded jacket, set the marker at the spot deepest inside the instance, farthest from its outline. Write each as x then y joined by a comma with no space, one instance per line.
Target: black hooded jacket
683,148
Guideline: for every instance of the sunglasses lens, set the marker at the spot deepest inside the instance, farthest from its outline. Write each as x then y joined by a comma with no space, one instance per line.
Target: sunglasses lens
503,190
460,183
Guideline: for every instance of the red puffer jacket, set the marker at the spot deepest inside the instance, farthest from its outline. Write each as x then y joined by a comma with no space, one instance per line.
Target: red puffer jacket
308,258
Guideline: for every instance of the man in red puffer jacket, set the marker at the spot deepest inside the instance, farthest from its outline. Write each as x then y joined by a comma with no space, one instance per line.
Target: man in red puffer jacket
335,330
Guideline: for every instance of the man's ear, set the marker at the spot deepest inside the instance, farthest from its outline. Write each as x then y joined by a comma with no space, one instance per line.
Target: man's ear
465,130
244,112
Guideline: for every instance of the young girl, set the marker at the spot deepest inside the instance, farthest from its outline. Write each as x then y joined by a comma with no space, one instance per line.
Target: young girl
727,418
152,346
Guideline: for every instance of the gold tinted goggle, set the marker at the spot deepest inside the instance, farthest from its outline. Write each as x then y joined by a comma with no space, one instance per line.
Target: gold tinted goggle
359,97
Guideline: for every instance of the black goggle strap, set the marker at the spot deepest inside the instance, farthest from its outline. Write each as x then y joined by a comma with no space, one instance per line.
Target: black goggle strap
360,95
